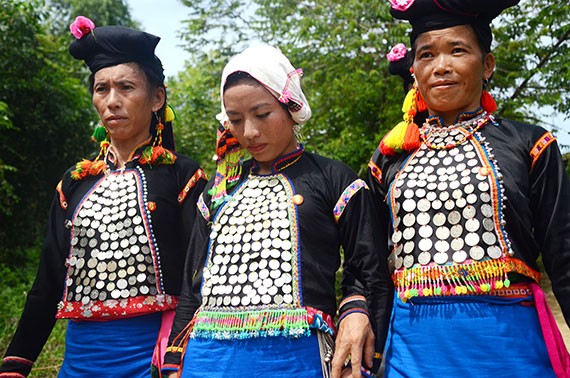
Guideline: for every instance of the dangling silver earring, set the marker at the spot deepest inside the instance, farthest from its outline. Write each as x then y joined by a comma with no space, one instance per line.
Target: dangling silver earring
297,132
485,83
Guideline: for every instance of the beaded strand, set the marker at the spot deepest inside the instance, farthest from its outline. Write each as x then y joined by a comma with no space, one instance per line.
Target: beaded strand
475,125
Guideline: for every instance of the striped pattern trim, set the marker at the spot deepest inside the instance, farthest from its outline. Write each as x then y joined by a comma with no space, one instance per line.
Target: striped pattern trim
544,141
352,298
62,199
199,174
375,171
345,197
203,208
18,360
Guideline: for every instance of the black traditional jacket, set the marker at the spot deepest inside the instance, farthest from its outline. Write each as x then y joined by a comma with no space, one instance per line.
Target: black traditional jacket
264,262
115,247
474,207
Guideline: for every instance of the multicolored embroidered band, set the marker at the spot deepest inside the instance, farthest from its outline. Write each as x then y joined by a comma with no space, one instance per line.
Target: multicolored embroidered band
346,196
203,208
232,324
200,174
545,140
375,171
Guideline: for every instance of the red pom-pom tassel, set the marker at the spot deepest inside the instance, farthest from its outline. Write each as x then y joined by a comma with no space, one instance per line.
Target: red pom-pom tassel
488,102
412,137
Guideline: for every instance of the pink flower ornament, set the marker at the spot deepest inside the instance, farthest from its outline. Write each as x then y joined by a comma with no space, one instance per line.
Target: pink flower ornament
397,52
401,5
81,27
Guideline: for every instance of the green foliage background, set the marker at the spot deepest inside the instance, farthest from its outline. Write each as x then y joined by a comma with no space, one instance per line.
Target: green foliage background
46,115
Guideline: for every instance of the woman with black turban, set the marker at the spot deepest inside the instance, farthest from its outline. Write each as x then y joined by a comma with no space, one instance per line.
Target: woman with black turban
119,224
474,201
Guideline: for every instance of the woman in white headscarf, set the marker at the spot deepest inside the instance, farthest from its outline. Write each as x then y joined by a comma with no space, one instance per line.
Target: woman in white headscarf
259,294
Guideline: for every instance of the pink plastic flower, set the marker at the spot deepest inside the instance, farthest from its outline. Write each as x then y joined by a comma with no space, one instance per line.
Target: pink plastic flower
401,5
81,27
397,52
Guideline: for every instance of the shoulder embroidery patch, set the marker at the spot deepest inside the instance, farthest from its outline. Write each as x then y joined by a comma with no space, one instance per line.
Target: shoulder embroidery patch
345,197
544,141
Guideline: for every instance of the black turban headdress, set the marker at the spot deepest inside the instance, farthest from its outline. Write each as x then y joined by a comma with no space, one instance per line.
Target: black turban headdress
107,46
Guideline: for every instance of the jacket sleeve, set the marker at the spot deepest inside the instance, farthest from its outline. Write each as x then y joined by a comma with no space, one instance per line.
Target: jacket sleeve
190,298
189,211
550,201
38,317
366,283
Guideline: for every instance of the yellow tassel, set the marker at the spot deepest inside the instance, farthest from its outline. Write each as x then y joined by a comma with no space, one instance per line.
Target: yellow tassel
395,139
409,101
169,114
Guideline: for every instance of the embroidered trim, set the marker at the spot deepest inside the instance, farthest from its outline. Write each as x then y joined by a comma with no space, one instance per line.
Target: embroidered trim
19,360
62,199
116,308
545,140
352,311
465,279
514,291
283,162
12,375
321,321
346,196
352,298
203,208
199,174
235,324
491,169
174,349
375,171
172,367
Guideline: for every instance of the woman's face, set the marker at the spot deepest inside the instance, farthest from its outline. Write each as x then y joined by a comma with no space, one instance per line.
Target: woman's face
125,103
449,67
260,123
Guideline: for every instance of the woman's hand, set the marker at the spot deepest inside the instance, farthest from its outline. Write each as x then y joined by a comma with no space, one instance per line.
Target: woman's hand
355,338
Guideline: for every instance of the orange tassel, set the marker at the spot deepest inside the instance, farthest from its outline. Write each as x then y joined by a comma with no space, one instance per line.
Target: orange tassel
412,137
97,168
488,102
420,103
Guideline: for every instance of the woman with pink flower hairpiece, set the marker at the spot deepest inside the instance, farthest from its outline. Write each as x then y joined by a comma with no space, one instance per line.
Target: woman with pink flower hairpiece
119,225
474,201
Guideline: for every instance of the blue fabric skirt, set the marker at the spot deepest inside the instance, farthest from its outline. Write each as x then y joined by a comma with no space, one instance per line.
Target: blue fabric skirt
480,336
275,357
116,348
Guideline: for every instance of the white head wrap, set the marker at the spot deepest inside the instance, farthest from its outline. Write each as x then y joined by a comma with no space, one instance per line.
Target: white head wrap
272,69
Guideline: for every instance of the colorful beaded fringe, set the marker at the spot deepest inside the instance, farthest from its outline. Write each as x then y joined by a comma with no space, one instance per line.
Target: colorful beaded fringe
235,324
459,279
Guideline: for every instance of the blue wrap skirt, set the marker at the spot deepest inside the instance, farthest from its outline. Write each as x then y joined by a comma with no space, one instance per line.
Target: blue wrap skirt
275,357
116,348
472,336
